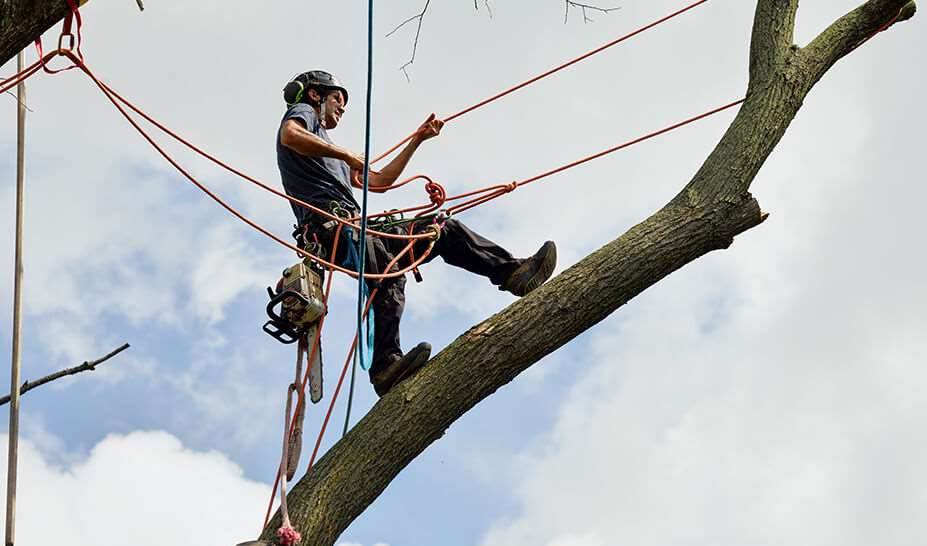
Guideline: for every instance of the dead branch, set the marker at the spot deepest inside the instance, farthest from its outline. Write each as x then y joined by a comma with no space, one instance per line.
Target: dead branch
24,105
85,367
585,9
418,32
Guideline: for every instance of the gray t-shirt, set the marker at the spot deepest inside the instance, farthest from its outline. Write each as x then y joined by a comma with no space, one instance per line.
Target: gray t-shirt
314,179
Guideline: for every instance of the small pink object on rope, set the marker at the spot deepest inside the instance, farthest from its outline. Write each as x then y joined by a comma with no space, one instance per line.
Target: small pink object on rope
287,536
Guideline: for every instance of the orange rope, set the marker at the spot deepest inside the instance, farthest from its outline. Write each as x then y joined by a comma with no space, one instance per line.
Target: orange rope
305,380
506,189
231,209
549,72
233,170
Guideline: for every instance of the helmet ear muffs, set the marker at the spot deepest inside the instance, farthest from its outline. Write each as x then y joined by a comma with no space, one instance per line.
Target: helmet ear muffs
294,92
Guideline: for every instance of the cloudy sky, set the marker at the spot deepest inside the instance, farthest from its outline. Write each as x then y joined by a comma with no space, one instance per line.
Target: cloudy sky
767,394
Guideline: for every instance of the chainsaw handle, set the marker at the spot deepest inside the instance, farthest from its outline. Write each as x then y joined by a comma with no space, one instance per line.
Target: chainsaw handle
280,332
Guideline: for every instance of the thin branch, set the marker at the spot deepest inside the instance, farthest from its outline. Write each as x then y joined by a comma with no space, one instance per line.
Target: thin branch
852,30
86,366
585,9
24,105
418,32
476,6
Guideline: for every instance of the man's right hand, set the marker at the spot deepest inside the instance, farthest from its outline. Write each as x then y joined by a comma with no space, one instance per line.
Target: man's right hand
354,161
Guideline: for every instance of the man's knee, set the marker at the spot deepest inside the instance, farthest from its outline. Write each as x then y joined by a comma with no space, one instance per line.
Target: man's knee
452,224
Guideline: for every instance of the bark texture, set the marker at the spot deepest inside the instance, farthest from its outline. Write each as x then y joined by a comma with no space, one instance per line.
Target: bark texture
713,208
22,21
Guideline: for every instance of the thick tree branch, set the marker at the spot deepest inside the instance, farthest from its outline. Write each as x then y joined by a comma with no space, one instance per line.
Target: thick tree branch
90,366
22,21
708,213
851,30
773,31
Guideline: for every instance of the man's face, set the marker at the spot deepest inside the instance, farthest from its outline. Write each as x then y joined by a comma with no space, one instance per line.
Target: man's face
334,109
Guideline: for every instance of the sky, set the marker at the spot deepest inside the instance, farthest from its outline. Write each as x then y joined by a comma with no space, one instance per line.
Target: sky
767,394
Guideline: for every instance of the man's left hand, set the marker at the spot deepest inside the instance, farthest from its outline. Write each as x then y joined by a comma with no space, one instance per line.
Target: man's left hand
431,128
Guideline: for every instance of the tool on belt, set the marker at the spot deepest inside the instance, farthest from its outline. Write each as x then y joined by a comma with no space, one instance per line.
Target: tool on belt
294,309
298,296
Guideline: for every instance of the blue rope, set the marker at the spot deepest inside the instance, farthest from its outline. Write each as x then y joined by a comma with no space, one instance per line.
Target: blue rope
361,286
351,261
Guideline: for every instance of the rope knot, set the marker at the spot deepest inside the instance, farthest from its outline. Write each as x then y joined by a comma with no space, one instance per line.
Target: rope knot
436,193
509,188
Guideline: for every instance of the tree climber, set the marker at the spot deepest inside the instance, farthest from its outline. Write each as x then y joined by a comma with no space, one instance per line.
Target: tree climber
315,170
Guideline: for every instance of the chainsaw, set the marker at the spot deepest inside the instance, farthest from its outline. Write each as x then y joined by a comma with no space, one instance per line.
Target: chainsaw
298,296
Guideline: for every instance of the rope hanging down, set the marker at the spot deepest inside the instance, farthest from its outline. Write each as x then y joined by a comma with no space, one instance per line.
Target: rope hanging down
362,241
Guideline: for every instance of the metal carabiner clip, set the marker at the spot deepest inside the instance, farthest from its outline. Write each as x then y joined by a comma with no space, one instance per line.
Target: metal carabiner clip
71,43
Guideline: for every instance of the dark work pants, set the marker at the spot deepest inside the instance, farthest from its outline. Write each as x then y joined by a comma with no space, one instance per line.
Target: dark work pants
458,246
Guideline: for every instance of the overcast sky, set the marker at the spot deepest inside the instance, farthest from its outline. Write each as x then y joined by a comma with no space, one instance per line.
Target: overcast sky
768,394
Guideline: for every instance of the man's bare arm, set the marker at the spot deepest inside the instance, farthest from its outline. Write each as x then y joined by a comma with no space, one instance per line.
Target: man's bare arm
296,137
383,179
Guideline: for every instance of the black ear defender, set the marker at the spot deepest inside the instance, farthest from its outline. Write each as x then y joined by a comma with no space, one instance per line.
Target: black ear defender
294,92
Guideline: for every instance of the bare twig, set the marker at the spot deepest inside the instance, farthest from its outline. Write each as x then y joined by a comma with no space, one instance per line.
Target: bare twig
486,4
86,366
585,9
26,106
418,31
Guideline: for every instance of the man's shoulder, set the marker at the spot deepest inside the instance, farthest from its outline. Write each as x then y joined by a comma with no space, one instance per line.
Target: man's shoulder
302,112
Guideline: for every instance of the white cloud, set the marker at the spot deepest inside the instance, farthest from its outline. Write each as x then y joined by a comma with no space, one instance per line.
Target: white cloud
226,268
144,487
754,435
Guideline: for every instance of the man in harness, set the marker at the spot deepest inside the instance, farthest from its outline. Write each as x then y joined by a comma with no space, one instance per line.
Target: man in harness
317,171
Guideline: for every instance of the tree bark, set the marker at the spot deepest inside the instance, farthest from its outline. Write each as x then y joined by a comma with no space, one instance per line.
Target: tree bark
22,21
713,208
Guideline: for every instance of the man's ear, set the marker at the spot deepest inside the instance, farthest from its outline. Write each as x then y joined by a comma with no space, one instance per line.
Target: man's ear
314,96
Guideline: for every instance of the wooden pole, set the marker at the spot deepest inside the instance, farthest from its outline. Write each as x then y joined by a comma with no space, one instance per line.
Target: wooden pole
13,452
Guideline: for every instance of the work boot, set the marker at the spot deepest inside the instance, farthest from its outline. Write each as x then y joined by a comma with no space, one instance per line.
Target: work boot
532,272
400,368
